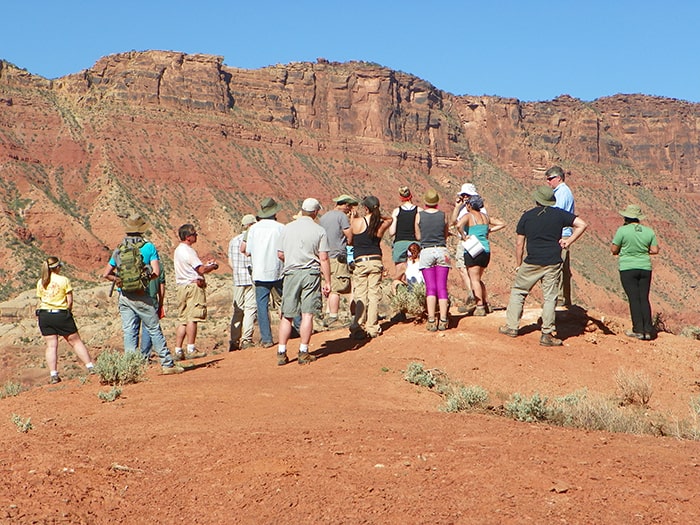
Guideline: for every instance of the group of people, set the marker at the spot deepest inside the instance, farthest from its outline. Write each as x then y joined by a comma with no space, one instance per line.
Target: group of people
326,255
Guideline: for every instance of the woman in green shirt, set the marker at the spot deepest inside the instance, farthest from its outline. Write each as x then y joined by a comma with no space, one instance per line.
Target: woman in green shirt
634,244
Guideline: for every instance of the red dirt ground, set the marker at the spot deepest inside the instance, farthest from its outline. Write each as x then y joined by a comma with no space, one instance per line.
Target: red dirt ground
346,439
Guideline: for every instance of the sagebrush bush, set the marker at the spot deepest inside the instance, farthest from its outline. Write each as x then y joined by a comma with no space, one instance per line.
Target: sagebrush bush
411,302
110,395
23,425
465,398
10,389
635,387
527,409
120,368
691,332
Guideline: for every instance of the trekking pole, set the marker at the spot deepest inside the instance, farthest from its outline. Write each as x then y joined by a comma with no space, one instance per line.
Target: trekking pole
111,290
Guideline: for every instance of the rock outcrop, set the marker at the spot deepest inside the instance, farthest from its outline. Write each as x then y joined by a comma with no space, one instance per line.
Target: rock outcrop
185,138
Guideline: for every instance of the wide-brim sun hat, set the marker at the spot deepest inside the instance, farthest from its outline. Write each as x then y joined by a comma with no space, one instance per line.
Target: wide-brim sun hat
632,211
468,189
431,197
135,224
346,199
544,196
268,208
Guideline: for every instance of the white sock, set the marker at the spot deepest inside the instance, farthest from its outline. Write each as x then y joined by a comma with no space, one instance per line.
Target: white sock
303,348
281,349
54,372
178,350
89,365
191,348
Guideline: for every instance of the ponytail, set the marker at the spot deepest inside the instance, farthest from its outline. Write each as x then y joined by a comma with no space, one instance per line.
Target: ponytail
46,270
45,274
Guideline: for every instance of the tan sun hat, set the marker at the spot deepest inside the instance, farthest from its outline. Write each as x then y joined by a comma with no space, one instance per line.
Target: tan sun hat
632,211
135,224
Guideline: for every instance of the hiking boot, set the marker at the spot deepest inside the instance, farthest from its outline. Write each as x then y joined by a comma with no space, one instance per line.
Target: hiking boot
282,359
634,335
442,325
178,355
247,344
329,321
399,318
54,380
268,344
480,311
510,332
195,354
305,358
359,335
431,326
168,370
550,340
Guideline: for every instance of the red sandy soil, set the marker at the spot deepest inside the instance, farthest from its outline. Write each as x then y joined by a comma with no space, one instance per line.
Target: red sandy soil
237,439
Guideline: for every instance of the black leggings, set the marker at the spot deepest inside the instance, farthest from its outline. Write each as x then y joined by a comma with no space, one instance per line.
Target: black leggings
637,284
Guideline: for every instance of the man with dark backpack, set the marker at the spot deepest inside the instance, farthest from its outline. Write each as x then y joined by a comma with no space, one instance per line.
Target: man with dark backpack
133,264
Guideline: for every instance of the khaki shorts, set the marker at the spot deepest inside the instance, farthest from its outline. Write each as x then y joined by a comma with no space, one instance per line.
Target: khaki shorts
341,277
191,303
301,293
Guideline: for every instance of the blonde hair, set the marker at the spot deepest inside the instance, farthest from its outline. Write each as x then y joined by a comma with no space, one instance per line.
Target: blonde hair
47,268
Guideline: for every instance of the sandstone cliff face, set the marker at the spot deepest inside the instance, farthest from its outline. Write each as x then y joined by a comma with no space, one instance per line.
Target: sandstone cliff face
185,138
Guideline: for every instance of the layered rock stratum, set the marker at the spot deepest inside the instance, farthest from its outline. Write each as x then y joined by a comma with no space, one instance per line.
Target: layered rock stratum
186,138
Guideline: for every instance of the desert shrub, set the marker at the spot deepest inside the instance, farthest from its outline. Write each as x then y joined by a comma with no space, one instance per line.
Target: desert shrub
23,425
411,302
10,389
530,410
416,374
635,387
691,332
120,368
465,398
110,395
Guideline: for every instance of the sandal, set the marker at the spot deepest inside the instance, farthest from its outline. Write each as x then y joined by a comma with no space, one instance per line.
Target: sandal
442,325
431,326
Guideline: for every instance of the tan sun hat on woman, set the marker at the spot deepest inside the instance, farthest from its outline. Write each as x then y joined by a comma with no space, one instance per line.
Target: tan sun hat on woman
431,197
632,211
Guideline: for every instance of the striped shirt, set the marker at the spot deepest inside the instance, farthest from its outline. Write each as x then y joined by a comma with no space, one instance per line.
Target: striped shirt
239,262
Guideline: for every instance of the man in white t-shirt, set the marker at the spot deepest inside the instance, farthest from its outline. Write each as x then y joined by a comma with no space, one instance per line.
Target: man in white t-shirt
191,294
261,246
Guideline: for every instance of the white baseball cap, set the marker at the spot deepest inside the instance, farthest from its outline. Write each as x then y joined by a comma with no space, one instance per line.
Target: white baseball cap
311,205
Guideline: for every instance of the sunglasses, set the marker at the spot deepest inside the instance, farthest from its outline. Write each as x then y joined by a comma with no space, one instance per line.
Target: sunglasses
552,178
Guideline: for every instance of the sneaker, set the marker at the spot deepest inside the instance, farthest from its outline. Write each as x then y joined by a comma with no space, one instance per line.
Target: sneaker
247,344
480,311
305,358
442,325
167,370
268,344
510,332
431,326
282,359
91,371
54,380
634,335
550,340
195,355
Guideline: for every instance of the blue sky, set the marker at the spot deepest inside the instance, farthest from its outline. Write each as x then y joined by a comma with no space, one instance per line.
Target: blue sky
526,49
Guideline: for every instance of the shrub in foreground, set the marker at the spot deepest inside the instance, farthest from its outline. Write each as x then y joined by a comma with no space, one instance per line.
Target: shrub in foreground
120,368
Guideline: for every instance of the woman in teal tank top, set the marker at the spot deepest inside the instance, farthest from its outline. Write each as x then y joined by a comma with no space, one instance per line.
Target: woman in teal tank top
480,225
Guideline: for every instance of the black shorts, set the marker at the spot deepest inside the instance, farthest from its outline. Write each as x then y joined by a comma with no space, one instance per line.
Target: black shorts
56,322
483,259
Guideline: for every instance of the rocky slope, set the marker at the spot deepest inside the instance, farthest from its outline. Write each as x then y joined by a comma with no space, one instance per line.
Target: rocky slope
186,138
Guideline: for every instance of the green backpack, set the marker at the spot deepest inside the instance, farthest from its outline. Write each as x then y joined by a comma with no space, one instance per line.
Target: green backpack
132,271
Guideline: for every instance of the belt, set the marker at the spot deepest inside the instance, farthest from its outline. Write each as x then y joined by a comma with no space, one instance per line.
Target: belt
368,258
53,311
433,246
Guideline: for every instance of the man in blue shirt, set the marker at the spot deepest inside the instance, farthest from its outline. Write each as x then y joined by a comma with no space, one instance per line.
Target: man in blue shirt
565,201
138,308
